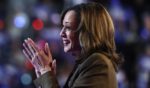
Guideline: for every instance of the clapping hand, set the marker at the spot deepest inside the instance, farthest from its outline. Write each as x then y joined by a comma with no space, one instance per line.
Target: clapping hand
41,59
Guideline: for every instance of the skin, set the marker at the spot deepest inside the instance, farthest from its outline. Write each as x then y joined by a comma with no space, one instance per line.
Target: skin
69,36
41,59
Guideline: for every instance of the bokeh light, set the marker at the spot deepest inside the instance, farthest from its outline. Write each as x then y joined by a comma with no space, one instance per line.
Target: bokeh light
38,24
21,20
1,24
26,79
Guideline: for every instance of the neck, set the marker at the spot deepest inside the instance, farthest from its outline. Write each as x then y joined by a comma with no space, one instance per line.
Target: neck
76,53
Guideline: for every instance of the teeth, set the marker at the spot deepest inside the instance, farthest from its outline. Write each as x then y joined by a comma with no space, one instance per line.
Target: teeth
65,42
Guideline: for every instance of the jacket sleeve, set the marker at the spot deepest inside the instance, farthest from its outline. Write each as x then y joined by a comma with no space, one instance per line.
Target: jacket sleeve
47,80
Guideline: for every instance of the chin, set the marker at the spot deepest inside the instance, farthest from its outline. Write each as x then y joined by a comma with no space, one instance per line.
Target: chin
66,50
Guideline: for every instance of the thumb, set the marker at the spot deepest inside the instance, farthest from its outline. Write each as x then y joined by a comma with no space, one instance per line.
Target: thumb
54,66
47,49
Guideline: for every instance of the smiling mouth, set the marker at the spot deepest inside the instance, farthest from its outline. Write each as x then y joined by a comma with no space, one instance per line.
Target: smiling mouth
66,42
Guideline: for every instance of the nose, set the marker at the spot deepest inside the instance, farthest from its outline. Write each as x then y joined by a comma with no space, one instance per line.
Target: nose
62,32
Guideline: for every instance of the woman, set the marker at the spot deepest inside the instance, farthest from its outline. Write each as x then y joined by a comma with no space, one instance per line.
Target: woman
88,33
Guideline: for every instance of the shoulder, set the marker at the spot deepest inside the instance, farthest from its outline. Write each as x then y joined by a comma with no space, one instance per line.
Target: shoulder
96,67
98,62
97,59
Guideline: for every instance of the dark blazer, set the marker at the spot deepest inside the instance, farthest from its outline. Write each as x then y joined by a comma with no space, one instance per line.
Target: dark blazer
95,71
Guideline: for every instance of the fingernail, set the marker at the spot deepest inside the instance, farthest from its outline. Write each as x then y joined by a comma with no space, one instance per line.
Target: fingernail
25,40
23,44
47,44
55,60
29,38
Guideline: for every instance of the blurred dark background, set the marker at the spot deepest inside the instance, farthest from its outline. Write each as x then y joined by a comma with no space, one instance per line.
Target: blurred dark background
40,20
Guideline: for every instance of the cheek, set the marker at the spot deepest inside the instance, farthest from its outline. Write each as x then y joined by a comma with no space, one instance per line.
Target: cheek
73,37
75,41
70,36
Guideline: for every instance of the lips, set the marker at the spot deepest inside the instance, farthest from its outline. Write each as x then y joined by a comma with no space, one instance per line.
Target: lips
65,42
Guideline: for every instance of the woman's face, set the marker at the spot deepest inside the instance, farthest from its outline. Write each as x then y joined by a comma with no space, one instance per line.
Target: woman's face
68,33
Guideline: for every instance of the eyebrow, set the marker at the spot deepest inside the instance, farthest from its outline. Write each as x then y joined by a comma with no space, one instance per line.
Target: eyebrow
68,23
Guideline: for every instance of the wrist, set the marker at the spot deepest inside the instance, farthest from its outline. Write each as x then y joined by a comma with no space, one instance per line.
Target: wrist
45,69
37,73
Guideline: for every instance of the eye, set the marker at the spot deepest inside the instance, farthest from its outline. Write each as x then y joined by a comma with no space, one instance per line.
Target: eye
64,28
68,28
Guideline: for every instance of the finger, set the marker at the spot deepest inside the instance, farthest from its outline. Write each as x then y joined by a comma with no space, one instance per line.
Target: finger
27,50
34,59
36,65
33,44
48,50
54,66
31,49
34,49
37,59
45,49
27,55
41,58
